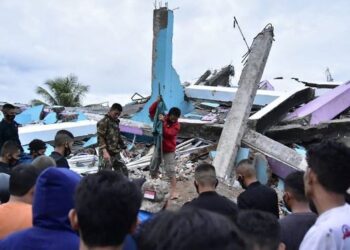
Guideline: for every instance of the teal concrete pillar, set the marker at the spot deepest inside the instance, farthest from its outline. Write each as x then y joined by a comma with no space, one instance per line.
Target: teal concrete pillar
165,80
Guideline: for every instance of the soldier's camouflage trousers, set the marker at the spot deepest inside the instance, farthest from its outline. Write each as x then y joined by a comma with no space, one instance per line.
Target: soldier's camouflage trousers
116,163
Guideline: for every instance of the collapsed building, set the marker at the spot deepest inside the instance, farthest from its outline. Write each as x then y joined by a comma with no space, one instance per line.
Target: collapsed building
220,123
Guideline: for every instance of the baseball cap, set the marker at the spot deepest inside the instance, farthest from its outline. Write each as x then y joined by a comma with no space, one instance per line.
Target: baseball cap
155,195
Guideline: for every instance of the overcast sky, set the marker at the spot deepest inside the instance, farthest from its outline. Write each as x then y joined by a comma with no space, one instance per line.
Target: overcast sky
107,43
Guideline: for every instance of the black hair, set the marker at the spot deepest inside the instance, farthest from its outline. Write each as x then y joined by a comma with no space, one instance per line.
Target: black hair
189,228
260,229
65,132
22,179
205,174
116,106
35,145
7,106
330,161
294,183
175,111
9,147
107,204
62,137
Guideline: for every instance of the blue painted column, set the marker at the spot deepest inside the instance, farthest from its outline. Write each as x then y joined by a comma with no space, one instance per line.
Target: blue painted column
165,80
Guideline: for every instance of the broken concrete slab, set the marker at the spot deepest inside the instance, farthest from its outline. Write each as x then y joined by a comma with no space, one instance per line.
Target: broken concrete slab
47,132
323,108
282,159
274,112
296,133
236,120
319,85
227,94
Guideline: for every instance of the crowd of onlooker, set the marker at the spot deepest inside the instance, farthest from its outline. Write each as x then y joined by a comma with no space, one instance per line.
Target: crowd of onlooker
45,205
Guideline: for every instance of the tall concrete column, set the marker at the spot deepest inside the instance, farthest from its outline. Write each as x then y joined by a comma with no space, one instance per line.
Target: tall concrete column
237,118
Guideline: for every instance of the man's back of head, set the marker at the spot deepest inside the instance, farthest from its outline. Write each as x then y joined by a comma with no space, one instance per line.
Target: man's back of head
329,161
260,229
194,229
294,187
22,182
301,219
63,137
246,173
205,175
106,207
246,168
43,162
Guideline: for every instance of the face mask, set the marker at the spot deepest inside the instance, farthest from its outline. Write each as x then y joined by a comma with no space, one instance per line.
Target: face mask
67,151
10,117
240,179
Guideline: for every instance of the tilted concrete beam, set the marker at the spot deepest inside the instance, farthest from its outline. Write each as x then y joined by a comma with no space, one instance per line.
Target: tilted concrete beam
237,118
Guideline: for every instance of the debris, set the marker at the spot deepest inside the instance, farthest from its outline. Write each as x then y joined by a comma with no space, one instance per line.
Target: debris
266,85
282,159
297,133
30,115
323,108
221,78
274,112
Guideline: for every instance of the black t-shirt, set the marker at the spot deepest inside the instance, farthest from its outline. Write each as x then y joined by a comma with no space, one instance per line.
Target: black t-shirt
9,131
259,197
214,202
4,168
61,161
294,227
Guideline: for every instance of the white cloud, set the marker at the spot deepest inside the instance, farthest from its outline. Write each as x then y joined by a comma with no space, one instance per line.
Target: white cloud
108,44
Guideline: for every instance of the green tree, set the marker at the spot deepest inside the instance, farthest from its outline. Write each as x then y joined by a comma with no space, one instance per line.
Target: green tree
63,91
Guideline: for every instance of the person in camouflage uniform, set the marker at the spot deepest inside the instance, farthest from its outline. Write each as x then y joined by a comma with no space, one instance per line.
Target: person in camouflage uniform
110,142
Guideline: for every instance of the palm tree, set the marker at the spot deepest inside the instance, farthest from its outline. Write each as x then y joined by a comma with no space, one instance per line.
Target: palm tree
63,91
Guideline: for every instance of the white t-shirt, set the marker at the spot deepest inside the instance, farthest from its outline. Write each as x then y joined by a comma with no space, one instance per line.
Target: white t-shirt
330,232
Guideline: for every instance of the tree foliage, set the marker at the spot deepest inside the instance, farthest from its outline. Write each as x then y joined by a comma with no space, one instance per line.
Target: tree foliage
62,91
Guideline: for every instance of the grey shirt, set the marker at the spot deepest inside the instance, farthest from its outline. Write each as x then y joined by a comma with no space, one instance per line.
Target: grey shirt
294,227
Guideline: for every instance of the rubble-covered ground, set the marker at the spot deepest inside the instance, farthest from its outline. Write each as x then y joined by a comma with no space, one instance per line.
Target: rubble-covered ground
187,192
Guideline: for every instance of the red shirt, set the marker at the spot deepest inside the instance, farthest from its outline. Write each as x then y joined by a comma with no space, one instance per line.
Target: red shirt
170,130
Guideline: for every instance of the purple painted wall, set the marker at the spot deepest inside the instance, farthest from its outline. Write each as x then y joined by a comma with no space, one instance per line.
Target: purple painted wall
325,107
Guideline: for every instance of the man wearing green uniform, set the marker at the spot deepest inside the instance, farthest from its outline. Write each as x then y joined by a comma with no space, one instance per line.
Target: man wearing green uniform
110,142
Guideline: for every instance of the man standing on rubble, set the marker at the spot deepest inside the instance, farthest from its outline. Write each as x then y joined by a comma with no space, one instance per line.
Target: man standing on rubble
110,142
167,127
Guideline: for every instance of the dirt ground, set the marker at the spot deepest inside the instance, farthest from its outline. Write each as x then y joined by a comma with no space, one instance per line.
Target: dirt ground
187,192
